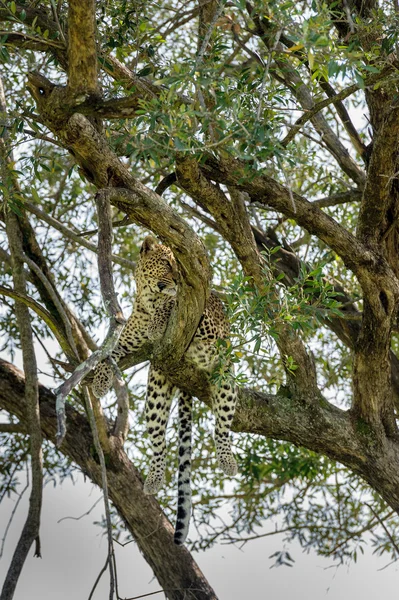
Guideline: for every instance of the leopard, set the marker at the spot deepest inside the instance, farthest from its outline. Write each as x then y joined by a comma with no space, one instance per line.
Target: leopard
156,278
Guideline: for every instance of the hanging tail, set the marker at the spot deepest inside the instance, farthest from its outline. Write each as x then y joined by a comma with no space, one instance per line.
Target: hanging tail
183,482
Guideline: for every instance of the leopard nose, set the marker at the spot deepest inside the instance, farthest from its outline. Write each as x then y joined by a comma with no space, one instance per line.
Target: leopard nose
161,286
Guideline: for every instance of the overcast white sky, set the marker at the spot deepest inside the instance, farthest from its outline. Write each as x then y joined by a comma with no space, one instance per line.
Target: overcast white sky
74,552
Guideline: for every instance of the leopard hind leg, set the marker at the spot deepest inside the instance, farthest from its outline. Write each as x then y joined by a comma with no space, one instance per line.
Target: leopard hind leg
183,483
159,398
224,398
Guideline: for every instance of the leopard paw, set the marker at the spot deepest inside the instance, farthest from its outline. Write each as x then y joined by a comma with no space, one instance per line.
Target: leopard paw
228,464
153,483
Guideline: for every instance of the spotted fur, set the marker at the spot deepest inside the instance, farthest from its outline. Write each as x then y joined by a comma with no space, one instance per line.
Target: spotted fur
156,279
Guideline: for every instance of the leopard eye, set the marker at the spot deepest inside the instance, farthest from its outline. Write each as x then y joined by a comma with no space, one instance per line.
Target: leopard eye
167,264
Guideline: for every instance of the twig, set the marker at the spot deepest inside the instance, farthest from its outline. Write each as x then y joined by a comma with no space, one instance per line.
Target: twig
200,58
349,16
43,314
5,487
99,450
81,516
121,223
146,595
72,235
243,46
381,522
207,36
55,15
307,116
122,420
14,510
266,73
101,573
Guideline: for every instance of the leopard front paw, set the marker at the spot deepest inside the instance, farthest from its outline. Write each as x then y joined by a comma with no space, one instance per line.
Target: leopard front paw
102,380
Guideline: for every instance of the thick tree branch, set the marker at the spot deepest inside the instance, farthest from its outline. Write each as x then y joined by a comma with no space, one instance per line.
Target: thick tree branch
381,180
82,52
323,429
268,192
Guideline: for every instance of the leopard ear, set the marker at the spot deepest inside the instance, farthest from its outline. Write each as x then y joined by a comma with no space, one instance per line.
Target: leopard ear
148,244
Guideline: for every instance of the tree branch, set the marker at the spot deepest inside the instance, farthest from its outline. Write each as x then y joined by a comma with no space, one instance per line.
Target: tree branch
30,531
336,98
82,52
45,316
268,192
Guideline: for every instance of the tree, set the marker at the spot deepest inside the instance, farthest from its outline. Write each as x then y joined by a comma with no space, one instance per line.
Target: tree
269,132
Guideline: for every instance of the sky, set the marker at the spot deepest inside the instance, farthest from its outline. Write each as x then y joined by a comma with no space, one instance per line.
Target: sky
75,550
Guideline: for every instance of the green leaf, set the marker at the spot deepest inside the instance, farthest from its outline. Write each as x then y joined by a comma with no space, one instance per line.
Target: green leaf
359,80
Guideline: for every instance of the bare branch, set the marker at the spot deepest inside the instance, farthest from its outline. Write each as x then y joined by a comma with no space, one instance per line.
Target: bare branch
12,428
72,235
45,315
105,238
67,324
352,195
122,395
336,98
24,40
108,345
104,486
14,510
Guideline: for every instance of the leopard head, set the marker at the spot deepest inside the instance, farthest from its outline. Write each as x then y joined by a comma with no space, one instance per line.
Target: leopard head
156,271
